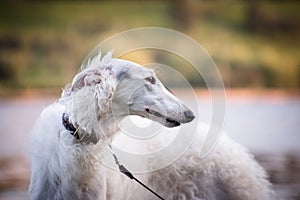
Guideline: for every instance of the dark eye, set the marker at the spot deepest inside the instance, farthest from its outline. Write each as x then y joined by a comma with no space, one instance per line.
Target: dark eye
150,79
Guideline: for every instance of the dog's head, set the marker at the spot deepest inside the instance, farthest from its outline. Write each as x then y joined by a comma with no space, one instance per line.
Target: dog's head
124,88
139,92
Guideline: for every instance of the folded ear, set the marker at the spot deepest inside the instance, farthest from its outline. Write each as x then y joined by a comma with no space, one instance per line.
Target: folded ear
86,78
103,87
104,93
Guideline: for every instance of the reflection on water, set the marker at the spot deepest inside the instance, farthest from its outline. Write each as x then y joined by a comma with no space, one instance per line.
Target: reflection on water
268,126
284,173
14,177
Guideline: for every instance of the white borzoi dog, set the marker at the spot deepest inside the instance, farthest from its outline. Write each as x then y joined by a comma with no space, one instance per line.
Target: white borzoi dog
86,115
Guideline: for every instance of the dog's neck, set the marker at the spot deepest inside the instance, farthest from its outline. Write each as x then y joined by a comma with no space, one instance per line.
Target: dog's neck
78,134
83,113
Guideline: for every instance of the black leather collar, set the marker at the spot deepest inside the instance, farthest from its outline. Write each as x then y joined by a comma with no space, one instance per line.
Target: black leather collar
77,133
69,126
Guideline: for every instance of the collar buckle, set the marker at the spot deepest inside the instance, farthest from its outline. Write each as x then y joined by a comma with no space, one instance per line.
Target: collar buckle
70,127
77,136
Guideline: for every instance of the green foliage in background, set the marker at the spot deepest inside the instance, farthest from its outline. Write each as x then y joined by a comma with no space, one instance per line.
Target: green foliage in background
254,45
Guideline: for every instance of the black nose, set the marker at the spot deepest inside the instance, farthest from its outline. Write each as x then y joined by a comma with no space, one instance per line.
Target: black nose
189,115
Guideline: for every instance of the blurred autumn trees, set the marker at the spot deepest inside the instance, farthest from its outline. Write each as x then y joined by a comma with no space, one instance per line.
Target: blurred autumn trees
254,44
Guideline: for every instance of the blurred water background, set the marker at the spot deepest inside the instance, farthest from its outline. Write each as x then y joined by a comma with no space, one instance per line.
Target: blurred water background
255,45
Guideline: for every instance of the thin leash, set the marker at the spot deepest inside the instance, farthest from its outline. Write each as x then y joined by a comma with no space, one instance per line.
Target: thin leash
126,172
75,132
